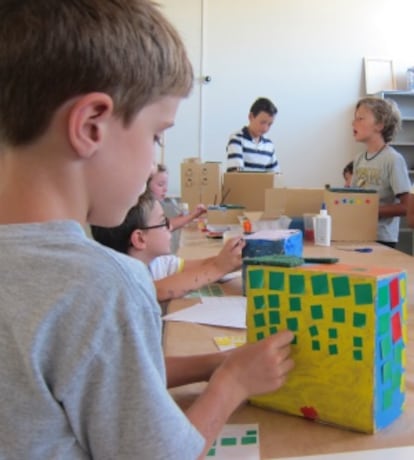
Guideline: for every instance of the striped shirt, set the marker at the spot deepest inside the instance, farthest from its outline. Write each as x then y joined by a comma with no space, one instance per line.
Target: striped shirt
243,153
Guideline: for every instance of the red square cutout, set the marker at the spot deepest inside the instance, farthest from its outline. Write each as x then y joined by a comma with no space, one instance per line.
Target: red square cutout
395,292
396,327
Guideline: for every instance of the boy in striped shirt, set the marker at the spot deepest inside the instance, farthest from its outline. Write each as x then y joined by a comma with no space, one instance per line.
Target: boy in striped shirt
248,149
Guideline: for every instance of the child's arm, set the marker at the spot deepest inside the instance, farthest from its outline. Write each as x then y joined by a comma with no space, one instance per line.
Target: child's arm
410,210
395,209
198,273
248,370
182,370
184,219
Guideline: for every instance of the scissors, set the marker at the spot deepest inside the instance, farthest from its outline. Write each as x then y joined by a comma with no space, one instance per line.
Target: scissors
364,250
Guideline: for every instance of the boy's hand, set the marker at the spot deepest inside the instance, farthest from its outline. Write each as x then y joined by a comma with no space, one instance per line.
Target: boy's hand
258,368
229,258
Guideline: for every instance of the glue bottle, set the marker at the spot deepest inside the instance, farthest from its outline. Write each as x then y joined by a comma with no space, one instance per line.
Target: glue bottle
322,224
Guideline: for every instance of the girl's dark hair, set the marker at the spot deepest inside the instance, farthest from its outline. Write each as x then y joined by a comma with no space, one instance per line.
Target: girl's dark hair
118,238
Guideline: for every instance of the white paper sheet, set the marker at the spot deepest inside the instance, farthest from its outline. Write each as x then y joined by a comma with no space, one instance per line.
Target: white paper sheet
238,442
397,453
228,311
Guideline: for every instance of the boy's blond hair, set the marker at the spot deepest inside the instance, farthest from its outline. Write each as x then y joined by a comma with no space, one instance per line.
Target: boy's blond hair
385,112
52,51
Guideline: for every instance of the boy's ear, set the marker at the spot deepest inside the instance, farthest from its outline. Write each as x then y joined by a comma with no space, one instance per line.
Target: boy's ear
138,241
87,122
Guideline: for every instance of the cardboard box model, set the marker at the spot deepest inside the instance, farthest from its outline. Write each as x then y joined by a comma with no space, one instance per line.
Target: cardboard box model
354,214
292,202
224,215
270,242
350,338
248,188
200,182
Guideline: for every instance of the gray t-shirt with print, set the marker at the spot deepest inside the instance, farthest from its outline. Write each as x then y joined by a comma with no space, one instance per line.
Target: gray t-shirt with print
82,371
387,173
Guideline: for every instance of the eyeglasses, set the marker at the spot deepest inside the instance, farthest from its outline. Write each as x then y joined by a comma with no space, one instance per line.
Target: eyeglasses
166,223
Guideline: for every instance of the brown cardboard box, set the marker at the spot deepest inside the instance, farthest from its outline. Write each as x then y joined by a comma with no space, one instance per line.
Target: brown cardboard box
223,215
200,182
292,202
354,214
248,188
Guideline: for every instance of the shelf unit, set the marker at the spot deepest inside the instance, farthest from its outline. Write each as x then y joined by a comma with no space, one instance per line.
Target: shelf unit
404,143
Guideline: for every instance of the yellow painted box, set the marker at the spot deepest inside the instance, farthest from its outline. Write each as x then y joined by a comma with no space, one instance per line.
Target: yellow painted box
350,340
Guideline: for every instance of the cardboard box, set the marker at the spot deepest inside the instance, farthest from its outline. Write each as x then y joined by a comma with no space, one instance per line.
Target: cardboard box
350,340
200,182
354,214
248,188
224,215
292,202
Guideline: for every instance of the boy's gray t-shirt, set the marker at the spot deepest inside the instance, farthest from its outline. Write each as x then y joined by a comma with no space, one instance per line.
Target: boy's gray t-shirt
387,173
82,372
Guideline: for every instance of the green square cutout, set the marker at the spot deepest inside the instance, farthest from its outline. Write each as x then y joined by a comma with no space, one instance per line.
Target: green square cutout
259,302
384,323
256,279
260,336
398,351
320,284
276,281
332,333
251,432
338,315
211,452
316,345
363,294
333,349
274,317
383,296
357,355
387,399
297,284
313,330
228,441
396,380
386,347
359,319
358,342
292,324
259,320
273,330
295,304
245,440
295,340
386,372
316,311
217,291
274,301
340,286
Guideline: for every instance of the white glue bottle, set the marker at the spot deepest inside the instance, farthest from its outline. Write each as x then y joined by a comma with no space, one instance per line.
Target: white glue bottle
322,224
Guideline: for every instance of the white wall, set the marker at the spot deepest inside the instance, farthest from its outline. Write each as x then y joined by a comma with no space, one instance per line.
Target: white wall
306,55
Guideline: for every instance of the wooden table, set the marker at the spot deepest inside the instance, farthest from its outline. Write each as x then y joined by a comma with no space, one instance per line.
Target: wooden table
284,435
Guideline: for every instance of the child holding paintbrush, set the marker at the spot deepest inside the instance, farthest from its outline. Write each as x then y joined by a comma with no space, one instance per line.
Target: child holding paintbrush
145,235
158,185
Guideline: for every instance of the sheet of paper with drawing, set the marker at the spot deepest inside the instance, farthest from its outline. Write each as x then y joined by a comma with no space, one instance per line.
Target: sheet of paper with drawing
228,311
236,442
